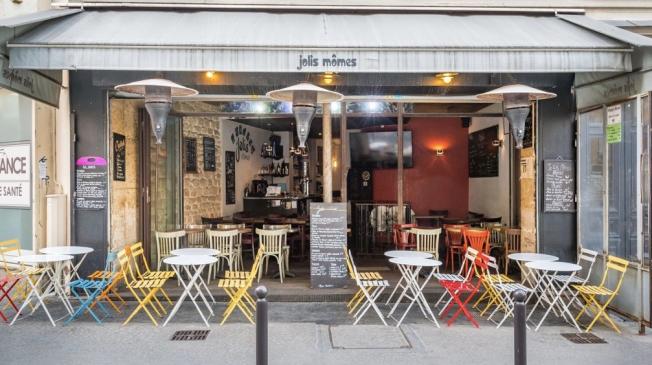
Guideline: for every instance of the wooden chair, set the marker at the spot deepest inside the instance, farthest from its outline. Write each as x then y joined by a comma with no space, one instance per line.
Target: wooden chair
226,243
275,242
402,238
454,243
512,244
243,239
427,240
166,242
196,234
476,238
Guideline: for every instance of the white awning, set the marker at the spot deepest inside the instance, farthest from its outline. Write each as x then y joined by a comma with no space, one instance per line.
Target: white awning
318,42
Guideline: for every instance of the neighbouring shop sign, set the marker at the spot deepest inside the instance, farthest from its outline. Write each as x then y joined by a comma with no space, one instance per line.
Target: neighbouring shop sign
15,175
119,155
614,123
29,83
90,183
327,245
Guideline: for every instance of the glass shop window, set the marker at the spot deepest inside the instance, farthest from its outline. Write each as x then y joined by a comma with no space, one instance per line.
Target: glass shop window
622,171
591,179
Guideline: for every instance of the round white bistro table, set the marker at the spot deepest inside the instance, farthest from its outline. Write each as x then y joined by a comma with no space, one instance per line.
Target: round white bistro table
72,251
410,268
49,273
522,258
190,263
403,253
549,291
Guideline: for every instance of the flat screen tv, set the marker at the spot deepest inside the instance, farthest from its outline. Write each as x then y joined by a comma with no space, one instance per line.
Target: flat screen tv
379,149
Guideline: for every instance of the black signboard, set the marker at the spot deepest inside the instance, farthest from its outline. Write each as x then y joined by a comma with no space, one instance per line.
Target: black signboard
190,154
483,155
327,242
209,154
527,136
90,183
559,185
119,154
229,176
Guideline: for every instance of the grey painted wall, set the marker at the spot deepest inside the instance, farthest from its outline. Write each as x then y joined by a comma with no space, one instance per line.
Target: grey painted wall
89,107
556,129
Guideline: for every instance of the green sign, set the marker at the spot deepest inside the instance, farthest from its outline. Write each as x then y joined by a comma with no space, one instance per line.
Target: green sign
614,124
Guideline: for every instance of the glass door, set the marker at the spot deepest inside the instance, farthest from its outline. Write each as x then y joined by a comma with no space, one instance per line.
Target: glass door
591,174
162,182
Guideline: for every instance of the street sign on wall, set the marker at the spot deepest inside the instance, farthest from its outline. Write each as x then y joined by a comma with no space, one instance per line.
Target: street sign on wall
15,175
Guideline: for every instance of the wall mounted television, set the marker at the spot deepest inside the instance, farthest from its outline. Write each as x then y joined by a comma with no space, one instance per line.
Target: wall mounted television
379,149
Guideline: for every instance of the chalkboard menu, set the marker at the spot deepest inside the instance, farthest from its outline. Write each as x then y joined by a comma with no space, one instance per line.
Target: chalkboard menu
90,182
229,176
209,154
559,185
190,154
527,136
327,241
119,154
483,155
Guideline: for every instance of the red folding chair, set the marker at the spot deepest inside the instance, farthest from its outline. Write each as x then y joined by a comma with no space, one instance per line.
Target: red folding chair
7,284
456,289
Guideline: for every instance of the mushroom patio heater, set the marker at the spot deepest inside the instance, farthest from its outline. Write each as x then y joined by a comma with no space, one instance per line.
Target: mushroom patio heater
305,98
158,95
516,105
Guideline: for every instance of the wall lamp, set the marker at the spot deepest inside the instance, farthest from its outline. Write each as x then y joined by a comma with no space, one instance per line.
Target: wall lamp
497,143
439,152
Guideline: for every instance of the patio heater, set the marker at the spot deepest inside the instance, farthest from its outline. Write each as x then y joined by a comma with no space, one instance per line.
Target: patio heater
158,95
516,101
304,98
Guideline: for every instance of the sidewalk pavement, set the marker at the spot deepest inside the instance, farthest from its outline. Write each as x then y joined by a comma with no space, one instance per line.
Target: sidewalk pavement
305,333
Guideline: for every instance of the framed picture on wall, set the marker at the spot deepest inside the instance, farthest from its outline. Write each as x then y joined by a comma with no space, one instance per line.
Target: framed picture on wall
190,154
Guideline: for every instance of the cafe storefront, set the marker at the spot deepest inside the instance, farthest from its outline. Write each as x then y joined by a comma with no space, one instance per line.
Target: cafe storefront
389,67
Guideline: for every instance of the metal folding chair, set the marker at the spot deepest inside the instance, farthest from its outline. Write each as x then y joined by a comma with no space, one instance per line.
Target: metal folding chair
371,290
236,285
468,286
7,284
591,293
358,297
93,290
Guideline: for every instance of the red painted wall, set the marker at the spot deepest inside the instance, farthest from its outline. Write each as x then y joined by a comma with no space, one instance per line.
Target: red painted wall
434,182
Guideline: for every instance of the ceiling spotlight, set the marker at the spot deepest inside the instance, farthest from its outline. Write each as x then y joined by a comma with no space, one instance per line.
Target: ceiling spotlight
328,77
446,77
335,107
372,106
210,74
260,107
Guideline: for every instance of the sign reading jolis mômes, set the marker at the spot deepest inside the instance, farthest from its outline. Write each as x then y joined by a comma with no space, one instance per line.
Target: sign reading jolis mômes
90,182
614,123
119,155
15,175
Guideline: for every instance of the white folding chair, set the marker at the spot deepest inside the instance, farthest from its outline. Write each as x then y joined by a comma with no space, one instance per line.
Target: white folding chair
503,290
586,259
371,289
225,243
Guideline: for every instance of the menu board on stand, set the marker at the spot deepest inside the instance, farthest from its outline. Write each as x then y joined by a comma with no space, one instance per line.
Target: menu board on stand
90,183
327,244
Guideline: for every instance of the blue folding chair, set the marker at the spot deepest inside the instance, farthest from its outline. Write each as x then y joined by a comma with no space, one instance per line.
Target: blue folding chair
91,290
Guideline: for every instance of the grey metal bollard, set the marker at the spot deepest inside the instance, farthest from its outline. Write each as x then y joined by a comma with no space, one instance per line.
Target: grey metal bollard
520,351
261,325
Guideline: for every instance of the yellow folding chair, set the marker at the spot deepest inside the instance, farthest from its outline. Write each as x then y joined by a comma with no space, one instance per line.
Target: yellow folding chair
358,297
490,295
138,258
591,293
147,287
236,285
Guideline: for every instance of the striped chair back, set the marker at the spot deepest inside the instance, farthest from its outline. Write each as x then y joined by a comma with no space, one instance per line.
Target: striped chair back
427,240
273,239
